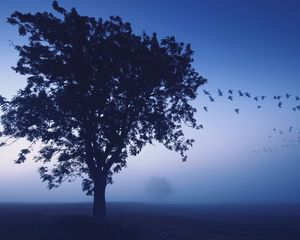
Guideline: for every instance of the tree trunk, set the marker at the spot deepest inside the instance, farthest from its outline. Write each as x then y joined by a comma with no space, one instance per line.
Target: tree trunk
99,207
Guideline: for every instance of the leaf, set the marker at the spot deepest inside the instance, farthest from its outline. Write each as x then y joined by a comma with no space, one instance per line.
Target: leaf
22,156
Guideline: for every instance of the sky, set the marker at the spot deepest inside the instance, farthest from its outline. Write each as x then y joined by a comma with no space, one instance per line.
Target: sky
251,46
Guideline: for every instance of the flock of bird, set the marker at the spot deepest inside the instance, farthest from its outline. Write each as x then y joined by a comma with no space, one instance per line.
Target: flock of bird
287,140
258,99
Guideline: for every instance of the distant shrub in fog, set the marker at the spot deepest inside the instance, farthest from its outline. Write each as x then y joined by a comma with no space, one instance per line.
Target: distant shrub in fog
158,187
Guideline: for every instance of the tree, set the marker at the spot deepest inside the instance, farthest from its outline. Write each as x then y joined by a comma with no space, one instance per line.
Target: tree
158,187
97,93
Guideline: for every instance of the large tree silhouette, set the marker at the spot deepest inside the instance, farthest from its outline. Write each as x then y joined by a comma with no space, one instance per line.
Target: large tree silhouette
95,94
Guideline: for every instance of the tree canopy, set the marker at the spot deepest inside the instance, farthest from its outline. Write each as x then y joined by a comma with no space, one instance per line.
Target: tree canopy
96,93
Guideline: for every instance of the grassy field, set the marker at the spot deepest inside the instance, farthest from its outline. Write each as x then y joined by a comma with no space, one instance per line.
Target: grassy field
151,221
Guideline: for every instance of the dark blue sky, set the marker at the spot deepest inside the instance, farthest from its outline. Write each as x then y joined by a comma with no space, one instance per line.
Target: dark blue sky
247,45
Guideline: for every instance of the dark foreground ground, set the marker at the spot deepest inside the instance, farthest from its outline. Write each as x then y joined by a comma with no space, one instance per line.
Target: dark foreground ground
151,221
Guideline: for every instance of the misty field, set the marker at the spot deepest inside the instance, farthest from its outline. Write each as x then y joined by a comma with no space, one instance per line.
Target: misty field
151,221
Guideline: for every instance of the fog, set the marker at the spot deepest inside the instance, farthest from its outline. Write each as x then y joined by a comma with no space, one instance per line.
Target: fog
255,48
207,177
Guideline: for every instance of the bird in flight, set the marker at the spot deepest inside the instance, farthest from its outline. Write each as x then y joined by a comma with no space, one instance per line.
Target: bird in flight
263,97
237,110
256,98
247,94
205,109
206,92
258,106
230,98
280,104
211,99
230,91
277,97
297,98
220,93
240,93
288,95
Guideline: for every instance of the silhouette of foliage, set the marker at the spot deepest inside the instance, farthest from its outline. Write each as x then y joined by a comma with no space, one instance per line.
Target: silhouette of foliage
96,93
